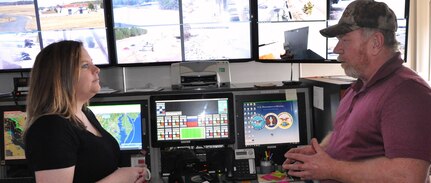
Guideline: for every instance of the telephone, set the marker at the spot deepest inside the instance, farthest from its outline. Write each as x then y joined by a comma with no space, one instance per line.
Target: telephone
244,167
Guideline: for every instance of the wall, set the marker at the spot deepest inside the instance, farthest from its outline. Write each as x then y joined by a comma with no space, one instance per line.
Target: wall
419,38
310,70
159,76
145,77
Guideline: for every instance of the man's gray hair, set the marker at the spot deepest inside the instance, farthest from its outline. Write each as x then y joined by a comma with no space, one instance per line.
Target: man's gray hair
389,36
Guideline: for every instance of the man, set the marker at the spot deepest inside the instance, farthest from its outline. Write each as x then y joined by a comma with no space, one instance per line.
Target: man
382,127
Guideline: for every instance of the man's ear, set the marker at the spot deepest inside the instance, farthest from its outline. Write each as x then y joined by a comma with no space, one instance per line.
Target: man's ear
377,42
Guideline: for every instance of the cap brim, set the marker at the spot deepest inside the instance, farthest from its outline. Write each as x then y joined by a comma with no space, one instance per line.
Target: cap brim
337,29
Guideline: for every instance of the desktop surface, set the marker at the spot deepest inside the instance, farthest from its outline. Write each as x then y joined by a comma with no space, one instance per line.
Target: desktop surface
221,178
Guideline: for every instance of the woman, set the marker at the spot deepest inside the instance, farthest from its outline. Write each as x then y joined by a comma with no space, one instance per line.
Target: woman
64,140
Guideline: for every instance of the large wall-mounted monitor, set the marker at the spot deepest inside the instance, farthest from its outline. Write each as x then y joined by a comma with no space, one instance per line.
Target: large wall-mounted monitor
125,121
192,119
289,30
283,24
160,32
400,8
273,122
28,26
12,130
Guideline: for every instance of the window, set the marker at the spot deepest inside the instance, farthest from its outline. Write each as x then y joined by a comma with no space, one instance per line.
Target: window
420,50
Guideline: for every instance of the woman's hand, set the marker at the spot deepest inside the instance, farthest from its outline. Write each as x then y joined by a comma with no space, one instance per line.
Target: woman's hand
127,175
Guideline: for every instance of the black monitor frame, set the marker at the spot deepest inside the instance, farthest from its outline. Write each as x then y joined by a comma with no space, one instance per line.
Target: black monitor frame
144,121
174,143
126,154
28,45
278,150
5,161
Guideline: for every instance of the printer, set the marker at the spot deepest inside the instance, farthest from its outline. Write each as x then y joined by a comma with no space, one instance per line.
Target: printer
199,74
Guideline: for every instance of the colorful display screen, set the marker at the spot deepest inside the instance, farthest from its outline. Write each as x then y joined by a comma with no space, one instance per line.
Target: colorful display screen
192,120
14,122
271,122
123,122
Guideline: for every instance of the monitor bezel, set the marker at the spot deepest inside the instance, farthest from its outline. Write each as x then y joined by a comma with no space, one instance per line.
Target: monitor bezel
278,149
326,58
144,121
106,18
176,143
113,44
5,161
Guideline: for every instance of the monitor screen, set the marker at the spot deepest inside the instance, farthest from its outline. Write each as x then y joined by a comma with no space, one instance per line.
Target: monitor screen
273,122
282,25
123,121
400,8
188,30
28,26
198,119
14,121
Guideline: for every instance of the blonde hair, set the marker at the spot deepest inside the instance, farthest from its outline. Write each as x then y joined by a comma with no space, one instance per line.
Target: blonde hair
52,80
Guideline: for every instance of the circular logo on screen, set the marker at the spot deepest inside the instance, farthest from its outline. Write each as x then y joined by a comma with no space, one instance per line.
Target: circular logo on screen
271,121
285,120
257,122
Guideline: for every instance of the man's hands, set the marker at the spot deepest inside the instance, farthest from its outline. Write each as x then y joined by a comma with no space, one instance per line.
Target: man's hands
309,162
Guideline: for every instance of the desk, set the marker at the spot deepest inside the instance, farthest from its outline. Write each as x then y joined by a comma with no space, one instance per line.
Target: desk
221,179
285,180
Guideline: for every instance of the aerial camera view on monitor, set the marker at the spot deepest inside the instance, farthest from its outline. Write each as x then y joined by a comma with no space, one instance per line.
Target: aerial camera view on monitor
150,30
399,7
288,29
291,10
22,39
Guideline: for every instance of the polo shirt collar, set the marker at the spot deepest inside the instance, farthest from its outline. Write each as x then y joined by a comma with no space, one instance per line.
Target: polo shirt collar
385,70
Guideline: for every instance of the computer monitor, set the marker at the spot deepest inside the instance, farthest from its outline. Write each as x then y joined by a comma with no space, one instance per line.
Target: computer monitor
192,119
28,26
400,8
150,32
296,43
275,19
273,122
12,128
124,120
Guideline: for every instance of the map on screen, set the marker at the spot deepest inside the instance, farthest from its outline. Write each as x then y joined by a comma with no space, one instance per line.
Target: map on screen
123,122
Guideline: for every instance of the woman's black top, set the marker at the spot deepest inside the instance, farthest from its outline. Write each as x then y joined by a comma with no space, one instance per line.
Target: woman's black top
54,142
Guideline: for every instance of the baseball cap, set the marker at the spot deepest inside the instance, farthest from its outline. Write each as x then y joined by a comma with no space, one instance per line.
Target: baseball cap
363,13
